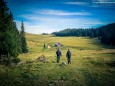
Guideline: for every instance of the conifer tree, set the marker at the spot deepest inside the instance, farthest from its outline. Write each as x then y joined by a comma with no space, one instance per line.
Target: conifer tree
23,39
9,47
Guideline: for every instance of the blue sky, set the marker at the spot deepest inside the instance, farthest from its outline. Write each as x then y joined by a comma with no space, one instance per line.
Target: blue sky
47,16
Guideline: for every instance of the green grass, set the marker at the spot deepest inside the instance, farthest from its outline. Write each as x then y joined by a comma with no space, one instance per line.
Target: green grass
93,64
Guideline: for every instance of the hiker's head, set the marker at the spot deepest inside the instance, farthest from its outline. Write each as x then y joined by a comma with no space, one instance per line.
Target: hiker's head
68,49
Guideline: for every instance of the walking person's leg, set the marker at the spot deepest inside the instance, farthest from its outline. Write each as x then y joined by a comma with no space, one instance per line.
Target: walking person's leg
58,59
68,60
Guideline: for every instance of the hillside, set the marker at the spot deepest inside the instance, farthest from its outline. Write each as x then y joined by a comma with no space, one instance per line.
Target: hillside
104,33
93,64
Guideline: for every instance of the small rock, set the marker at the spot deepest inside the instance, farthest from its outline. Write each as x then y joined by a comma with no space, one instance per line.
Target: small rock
42,59
64,63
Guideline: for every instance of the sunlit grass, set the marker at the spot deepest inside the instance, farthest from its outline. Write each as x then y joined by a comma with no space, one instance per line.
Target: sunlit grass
88,68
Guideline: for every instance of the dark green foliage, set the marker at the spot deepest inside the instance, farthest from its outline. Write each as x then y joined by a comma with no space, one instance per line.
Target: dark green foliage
44,33
23,39
9,35
107,34
77,32
16,60
5,59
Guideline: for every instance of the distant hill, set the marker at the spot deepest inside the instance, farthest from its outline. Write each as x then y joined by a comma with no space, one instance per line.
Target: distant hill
105,33
112,25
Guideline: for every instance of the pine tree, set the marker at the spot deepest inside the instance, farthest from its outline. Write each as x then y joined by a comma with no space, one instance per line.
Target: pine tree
23,39
9,47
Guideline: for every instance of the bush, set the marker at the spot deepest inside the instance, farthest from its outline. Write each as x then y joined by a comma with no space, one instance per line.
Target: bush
16,60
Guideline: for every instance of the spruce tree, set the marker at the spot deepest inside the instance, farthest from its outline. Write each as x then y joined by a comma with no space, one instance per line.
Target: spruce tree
23,39
9,47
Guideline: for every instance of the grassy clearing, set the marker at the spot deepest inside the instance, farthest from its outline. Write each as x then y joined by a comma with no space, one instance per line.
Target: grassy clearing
93,64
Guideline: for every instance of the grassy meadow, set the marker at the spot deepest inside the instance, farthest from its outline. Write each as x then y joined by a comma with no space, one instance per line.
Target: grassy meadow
93,64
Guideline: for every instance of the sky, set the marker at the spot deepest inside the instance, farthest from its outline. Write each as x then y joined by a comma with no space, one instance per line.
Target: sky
47,16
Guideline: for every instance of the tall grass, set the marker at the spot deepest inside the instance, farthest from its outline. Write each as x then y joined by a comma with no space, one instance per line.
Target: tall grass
89,66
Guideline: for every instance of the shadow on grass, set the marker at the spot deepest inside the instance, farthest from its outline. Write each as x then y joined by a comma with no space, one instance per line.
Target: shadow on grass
111,64
97,42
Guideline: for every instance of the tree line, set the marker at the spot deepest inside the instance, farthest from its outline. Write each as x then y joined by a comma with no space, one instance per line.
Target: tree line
106,34
12,41
77,32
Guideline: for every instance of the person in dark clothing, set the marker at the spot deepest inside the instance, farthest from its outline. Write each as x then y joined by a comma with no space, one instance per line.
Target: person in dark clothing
44,46
68,55
58,53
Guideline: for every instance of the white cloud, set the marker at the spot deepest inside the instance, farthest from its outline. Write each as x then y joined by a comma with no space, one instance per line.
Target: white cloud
62,13
36,23
77,3
104,1
38,29
49,25
95,3
60,20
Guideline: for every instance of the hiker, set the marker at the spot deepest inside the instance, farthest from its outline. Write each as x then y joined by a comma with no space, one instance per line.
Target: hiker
44,46
68,55
58,52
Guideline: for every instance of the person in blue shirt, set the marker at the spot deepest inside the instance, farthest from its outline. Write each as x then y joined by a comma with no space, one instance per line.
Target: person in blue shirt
59,54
